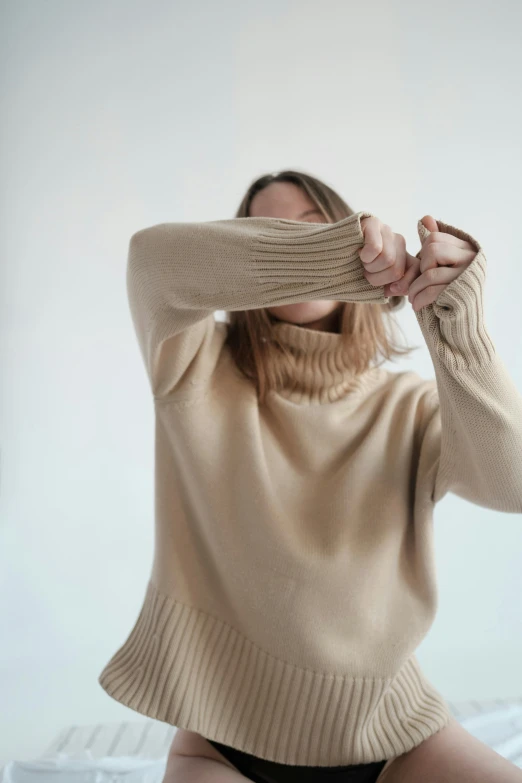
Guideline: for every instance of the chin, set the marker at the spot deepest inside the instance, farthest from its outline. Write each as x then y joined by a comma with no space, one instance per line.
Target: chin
301,313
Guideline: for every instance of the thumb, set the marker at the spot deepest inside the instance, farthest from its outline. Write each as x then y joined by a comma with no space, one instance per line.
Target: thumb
425,226
430,223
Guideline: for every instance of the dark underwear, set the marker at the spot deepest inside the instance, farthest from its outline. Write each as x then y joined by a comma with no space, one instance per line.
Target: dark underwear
264,771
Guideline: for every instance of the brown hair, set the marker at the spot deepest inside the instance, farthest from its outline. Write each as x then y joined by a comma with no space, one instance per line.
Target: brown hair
250,336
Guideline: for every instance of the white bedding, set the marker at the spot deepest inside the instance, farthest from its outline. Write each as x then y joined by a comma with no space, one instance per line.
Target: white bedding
136,751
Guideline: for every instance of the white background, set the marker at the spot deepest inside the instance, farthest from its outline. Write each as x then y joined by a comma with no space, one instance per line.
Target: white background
119,115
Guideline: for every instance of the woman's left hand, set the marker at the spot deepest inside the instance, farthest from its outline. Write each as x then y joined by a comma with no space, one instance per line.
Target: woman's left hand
443,257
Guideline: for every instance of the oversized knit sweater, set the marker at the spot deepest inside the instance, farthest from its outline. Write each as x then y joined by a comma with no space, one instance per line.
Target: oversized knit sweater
293,574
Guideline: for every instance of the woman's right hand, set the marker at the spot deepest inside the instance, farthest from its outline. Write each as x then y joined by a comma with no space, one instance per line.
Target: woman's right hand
386,259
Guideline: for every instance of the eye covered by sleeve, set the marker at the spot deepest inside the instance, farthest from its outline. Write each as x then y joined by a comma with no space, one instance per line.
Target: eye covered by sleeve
178,274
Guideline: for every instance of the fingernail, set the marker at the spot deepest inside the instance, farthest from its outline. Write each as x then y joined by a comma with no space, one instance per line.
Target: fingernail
395,287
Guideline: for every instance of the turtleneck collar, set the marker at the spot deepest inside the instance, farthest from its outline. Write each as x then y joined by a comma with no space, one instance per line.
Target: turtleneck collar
320,369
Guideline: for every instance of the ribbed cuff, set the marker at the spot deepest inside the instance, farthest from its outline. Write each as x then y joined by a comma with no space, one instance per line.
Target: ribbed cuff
455,320
326,256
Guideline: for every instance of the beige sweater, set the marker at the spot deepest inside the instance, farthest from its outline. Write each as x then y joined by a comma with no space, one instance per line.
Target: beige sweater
293,574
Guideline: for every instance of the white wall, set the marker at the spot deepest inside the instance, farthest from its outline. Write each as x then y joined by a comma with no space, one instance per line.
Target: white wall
123,114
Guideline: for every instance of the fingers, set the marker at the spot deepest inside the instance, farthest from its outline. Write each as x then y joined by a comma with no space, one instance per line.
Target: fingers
387,262
373,242
388,265
450,239
402,286
387,254
430,283
444,254
427,296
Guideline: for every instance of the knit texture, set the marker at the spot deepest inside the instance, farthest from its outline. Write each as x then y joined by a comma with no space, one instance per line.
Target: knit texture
293,574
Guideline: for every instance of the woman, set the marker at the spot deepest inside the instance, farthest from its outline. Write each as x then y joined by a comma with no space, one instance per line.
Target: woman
293,574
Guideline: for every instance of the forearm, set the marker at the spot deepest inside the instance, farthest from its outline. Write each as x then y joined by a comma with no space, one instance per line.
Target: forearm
178,274
480,406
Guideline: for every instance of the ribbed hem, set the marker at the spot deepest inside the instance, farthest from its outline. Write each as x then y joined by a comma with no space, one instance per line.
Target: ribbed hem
454,322
328,258
184,667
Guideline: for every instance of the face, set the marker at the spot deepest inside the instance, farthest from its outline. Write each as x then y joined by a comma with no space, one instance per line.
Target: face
288,201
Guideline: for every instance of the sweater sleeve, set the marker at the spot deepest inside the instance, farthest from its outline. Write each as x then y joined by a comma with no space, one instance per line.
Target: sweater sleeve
477,417
178,274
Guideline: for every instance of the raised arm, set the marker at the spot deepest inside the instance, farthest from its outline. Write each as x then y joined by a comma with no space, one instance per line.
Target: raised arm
475,433
178,274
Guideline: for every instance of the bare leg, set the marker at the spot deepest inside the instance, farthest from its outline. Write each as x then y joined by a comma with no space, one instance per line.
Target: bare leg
198,769
452,755
192,759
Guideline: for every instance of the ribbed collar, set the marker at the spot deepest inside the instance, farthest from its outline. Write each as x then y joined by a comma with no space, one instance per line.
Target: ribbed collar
319,370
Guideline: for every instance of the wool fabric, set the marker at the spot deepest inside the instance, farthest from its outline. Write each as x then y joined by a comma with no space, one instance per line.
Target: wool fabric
293,574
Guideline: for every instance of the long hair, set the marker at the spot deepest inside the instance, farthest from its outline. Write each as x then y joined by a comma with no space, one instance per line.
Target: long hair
364,325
